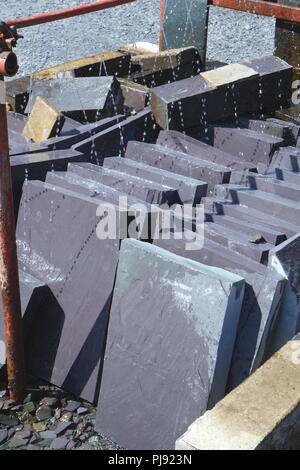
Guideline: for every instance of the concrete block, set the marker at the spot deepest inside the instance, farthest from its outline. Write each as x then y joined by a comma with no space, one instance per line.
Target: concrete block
178,162
270,418
45,121
190,191
67,347
86,98
186,144
155,382
113,141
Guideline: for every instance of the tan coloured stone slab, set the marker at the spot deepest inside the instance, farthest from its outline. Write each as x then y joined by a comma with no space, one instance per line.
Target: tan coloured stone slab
44,122
228,74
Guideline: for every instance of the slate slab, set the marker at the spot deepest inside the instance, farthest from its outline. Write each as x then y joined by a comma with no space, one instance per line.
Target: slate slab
113,141
184,143
178,162
26,167
67,344
83,98
190,191
161,387
151,192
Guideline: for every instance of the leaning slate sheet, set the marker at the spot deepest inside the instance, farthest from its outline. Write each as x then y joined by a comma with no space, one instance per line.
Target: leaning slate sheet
58,244
170,339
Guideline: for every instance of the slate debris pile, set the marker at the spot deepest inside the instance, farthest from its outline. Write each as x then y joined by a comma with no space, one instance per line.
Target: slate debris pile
155,323
49,419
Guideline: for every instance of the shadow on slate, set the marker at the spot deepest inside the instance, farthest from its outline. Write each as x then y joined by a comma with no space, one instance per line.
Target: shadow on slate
33,293
58,244
113,141
35,166
168,348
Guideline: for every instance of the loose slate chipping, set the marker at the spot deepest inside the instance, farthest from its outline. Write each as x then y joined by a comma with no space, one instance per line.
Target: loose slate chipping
58,244
150,390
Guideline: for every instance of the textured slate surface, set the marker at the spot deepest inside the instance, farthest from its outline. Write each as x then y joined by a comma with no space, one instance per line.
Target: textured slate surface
153,193
32,293
113,141
190,190
95,95
150,388
35,166
264,290
58,244
184,143
178,162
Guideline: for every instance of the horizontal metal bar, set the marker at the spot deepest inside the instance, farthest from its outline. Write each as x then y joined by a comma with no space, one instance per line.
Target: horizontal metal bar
62,14
260,7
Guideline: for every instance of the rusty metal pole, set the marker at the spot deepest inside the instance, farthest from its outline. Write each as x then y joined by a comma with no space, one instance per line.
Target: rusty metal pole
9,277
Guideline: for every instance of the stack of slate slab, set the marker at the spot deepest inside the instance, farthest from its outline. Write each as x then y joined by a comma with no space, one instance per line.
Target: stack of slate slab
113,275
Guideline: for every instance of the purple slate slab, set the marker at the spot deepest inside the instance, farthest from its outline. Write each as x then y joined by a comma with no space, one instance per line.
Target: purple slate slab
82,98
245,144
58,244
150,390
280,173
275,82
16,121
238,242
32,293
264,290
283,130
288,158
81,132
153,193
178,162
36,165
248,213
183,143
284,209
249,227
113,141
267,184
190,191
128,207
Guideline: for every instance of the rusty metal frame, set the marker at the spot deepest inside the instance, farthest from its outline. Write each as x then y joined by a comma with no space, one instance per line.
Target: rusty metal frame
261,7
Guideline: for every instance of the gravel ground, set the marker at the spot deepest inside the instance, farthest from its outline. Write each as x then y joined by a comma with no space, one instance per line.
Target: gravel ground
232,35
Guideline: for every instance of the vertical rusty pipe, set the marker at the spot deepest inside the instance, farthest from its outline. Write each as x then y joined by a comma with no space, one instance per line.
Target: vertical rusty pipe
9,277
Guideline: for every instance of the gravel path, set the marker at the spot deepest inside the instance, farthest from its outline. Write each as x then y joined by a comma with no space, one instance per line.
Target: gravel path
232,36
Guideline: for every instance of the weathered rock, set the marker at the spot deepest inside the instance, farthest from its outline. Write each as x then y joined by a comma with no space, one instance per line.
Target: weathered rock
43,412
147,388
